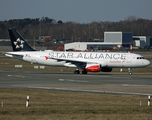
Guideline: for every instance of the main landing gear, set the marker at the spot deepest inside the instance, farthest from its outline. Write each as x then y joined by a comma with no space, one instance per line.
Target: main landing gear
84,71
78,72
129,70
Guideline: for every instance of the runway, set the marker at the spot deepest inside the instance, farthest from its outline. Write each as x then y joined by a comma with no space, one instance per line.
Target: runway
98,83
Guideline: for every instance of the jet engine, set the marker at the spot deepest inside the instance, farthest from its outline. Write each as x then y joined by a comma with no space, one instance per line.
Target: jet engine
93,67
97,68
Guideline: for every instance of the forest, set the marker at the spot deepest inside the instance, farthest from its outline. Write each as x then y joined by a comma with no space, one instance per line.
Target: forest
33,28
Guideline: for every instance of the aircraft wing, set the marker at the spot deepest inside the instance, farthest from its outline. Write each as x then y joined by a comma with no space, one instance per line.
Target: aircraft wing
78,63
69,60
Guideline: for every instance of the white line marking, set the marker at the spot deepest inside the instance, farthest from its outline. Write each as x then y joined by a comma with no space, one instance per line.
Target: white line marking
70,80
15,76
134,85
61,79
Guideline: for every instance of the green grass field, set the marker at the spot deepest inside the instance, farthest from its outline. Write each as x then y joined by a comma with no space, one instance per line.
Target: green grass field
55,105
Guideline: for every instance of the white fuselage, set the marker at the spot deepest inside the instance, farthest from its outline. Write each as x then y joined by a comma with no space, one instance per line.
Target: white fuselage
105,59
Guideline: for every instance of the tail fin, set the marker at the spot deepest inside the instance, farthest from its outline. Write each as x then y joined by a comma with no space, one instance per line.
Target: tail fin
18,42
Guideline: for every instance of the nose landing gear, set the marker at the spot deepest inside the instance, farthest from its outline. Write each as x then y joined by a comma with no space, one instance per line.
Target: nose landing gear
129,70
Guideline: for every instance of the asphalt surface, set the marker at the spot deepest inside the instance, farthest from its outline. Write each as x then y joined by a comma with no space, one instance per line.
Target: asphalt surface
98,83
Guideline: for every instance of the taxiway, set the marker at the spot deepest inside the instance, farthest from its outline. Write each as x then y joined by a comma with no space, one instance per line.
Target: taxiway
99,83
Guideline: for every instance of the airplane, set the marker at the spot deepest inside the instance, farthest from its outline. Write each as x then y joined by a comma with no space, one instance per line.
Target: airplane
87,61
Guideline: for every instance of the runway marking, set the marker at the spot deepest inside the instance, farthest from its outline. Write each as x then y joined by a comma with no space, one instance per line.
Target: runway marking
103,76
122,77
125,84
15,76
70,80
134,85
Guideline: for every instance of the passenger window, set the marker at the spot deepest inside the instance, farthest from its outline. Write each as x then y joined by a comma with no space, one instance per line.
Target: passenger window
140,58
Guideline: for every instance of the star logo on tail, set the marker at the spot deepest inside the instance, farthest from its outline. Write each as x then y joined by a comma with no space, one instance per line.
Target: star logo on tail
19,43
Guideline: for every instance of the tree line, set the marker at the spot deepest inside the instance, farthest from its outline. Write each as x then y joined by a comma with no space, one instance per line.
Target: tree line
30,28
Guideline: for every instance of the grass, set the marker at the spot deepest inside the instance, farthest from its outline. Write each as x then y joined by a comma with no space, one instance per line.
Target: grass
55,105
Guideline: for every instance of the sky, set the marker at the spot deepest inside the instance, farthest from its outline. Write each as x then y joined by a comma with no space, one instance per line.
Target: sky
79,11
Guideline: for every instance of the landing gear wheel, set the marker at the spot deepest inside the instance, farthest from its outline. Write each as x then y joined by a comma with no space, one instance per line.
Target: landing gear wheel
76,72
130,73
84,71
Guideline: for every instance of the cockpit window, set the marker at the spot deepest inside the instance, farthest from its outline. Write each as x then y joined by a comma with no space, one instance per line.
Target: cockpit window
140,58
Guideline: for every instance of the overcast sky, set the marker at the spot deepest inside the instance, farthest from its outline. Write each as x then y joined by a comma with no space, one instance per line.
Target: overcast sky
80,11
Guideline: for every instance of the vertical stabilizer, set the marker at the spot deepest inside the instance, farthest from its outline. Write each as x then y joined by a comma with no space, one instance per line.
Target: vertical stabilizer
18,42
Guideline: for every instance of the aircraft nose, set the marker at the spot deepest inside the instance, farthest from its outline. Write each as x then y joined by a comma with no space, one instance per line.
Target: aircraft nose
147,63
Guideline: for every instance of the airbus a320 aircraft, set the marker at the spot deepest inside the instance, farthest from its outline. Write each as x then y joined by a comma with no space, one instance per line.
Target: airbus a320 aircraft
87,61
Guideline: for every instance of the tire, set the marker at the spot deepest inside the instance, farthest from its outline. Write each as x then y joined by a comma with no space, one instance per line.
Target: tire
84,72
76,72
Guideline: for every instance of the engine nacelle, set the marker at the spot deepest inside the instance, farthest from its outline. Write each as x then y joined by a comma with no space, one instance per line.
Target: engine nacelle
106,69
93,67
